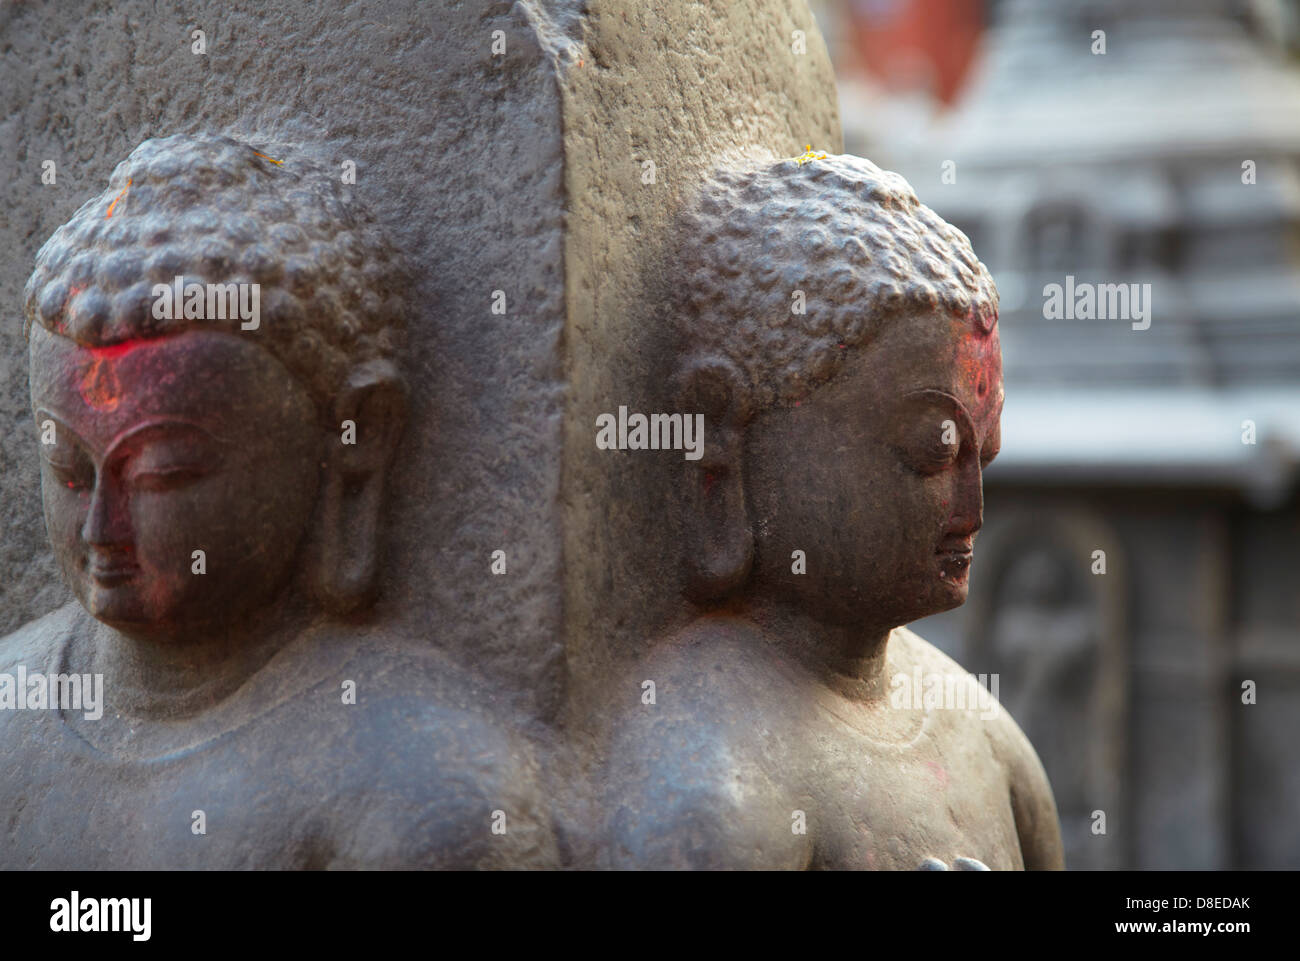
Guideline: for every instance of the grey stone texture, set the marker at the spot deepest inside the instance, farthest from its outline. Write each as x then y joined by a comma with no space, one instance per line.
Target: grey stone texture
528,162
460,156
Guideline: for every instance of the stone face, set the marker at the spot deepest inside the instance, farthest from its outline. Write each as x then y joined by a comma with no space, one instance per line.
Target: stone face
841,342
448,144
460,155
371,529
214,482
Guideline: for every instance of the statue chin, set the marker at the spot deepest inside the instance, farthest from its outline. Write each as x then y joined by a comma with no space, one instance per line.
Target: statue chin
124,615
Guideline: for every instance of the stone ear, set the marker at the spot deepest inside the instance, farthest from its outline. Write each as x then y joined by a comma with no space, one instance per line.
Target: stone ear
370,414
374,395
719,545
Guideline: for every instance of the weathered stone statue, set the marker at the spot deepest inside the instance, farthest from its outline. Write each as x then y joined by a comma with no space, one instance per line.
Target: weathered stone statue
215,345
841,341
349,597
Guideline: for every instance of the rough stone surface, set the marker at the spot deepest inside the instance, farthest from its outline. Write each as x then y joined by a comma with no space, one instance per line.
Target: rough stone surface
536,195
690,88
459,154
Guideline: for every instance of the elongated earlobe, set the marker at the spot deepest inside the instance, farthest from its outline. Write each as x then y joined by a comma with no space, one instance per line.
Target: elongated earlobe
370,414
719,547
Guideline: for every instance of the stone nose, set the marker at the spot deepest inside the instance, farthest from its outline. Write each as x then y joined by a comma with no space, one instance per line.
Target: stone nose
968,500
108,521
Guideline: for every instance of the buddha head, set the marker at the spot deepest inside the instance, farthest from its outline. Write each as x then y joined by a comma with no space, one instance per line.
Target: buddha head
213,344
840,339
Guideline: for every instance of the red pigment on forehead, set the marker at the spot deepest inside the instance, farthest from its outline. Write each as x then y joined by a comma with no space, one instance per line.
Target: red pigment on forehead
977,363
99,386
118,350
978,356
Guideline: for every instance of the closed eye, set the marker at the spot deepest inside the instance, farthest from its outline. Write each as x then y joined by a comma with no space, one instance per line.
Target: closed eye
165,479
933,432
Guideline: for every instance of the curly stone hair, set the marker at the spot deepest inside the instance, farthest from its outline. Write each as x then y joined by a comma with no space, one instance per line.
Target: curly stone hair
854,238
213,210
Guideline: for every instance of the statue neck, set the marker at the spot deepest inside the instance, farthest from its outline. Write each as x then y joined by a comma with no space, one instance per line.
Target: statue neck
169,678
849,660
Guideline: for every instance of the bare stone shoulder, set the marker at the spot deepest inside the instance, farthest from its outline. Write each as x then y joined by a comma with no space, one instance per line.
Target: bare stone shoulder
911,655
1033,805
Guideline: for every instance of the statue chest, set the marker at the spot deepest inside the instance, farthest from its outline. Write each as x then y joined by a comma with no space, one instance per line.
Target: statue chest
938,801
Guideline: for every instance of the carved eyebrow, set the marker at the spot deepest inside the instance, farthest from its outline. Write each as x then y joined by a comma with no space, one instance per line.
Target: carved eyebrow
152,424
161,424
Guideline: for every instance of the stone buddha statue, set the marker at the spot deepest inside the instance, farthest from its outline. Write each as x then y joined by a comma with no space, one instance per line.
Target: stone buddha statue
215,347
841,341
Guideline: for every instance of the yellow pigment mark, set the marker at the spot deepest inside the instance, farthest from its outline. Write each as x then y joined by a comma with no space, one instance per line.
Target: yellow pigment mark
117,198
272,159
809,156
